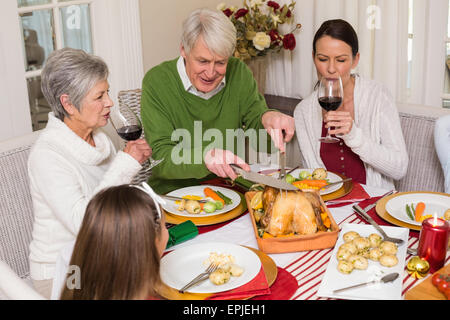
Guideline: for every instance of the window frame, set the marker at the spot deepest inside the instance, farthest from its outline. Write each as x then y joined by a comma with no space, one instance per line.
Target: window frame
116,37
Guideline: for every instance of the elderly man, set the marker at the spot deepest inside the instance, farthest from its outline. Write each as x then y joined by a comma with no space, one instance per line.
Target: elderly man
191,105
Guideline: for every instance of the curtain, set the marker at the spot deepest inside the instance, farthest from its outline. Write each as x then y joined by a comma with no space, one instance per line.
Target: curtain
382,28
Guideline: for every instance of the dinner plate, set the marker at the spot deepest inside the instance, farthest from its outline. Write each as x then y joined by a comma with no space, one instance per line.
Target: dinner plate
180,266
434,203
172,207
333,279
332,177
210,220
268,265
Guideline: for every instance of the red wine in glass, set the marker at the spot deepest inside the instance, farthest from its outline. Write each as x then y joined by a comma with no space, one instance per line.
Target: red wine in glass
330,103
130,133
129,127
330,97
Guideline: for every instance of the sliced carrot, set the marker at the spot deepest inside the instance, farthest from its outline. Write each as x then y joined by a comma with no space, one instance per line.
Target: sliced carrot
285,235
420,208
212,194
326,220
311,183
267,235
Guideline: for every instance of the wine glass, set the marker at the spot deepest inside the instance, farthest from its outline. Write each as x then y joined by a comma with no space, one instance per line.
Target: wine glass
129,127
330,97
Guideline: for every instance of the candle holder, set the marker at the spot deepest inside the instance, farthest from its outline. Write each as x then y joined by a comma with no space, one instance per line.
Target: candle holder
433,242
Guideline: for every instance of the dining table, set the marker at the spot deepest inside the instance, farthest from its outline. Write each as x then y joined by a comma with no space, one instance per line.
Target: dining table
305,270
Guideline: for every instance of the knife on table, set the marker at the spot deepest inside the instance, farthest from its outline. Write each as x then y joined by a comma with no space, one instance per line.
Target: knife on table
180,198
263,179
373,205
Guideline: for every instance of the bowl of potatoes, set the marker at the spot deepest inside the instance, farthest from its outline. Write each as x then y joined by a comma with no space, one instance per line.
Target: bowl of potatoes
361,255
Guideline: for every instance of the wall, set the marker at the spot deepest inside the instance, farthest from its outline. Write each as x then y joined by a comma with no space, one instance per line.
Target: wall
161,23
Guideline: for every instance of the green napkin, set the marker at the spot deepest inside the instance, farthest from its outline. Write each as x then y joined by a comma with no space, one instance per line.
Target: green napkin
182,232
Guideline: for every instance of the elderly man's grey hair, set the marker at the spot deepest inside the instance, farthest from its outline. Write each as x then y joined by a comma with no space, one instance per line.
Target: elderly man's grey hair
214,27
72,72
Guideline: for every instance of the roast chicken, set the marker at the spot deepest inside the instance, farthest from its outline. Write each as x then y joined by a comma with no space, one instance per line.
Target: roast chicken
288,212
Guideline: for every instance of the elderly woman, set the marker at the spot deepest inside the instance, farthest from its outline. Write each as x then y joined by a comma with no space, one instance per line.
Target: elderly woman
192,106
73,158
371,149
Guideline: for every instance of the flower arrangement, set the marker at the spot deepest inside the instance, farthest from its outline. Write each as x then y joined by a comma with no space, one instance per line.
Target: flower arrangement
257,27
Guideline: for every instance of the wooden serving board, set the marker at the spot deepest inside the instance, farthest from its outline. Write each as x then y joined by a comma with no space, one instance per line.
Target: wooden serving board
426,290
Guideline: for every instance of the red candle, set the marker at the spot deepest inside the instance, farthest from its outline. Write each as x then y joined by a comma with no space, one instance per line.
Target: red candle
433,242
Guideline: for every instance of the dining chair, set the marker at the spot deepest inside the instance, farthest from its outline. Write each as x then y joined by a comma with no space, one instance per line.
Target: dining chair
16,208
132,99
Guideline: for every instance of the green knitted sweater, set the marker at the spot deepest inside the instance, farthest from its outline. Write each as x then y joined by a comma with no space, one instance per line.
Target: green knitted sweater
166,106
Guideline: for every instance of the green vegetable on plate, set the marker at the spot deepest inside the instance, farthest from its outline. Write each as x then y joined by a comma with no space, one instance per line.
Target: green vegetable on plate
304,175
219,205
224,197
290,178
409,212
210,207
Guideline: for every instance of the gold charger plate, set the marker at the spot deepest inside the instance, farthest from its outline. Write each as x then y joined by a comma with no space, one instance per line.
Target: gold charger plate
381,209
339,193
269,267
208,220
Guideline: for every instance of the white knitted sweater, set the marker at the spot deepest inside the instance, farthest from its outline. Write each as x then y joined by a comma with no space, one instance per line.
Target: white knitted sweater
65,173
376,135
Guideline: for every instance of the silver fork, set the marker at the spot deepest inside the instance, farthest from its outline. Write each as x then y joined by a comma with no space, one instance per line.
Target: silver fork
366,217
201,277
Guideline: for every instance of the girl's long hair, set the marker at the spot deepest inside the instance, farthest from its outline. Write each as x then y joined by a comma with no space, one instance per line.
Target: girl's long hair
115,249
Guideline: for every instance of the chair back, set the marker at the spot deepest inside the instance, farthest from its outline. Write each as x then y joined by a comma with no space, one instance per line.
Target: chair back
424,169
16,208
132,99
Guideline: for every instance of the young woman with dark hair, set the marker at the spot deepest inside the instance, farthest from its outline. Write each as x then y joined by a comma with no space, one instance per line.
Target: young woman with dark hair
371,149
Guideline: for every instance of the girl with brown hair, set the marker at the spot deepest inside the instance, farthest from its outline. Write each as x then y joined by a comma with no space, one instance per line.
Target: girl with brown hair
119,246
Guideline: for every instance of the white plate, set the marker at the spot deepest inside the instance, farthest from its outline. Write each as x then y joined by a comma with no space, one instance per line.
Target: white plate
333,279
332,177
434,203
182,265
172,207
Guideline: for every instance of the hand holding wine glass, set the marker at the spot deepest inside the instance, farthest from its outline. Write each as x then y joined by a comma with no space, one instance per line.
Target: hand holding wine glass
330,95
129,127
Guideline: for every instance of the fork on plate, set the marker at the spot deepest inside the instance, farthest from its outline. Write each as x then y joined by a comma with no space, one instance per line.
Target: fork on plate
201,277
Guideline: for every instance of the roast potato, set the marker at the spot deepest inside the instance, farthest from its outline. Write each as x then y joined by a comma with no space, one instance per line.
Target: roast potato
388,260
375,240
350,236
388,247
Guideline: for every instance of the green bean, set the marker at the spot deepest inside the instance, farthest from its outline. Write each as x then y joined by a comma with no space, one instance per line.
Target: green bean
409,212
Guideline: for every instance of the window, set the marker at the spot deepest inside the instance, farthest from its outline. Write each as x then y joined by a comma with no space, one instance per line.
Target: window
107,28
48,25
428,76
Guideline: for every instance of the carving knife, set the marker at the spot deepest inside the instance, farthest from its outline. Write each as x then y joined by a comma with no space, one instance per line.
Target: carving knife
263,179
282,165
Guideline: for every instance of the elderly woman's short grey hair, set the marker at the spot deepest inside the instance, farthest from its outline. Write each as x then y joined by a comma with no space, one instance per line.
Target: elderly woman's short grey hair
72,72
214,27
